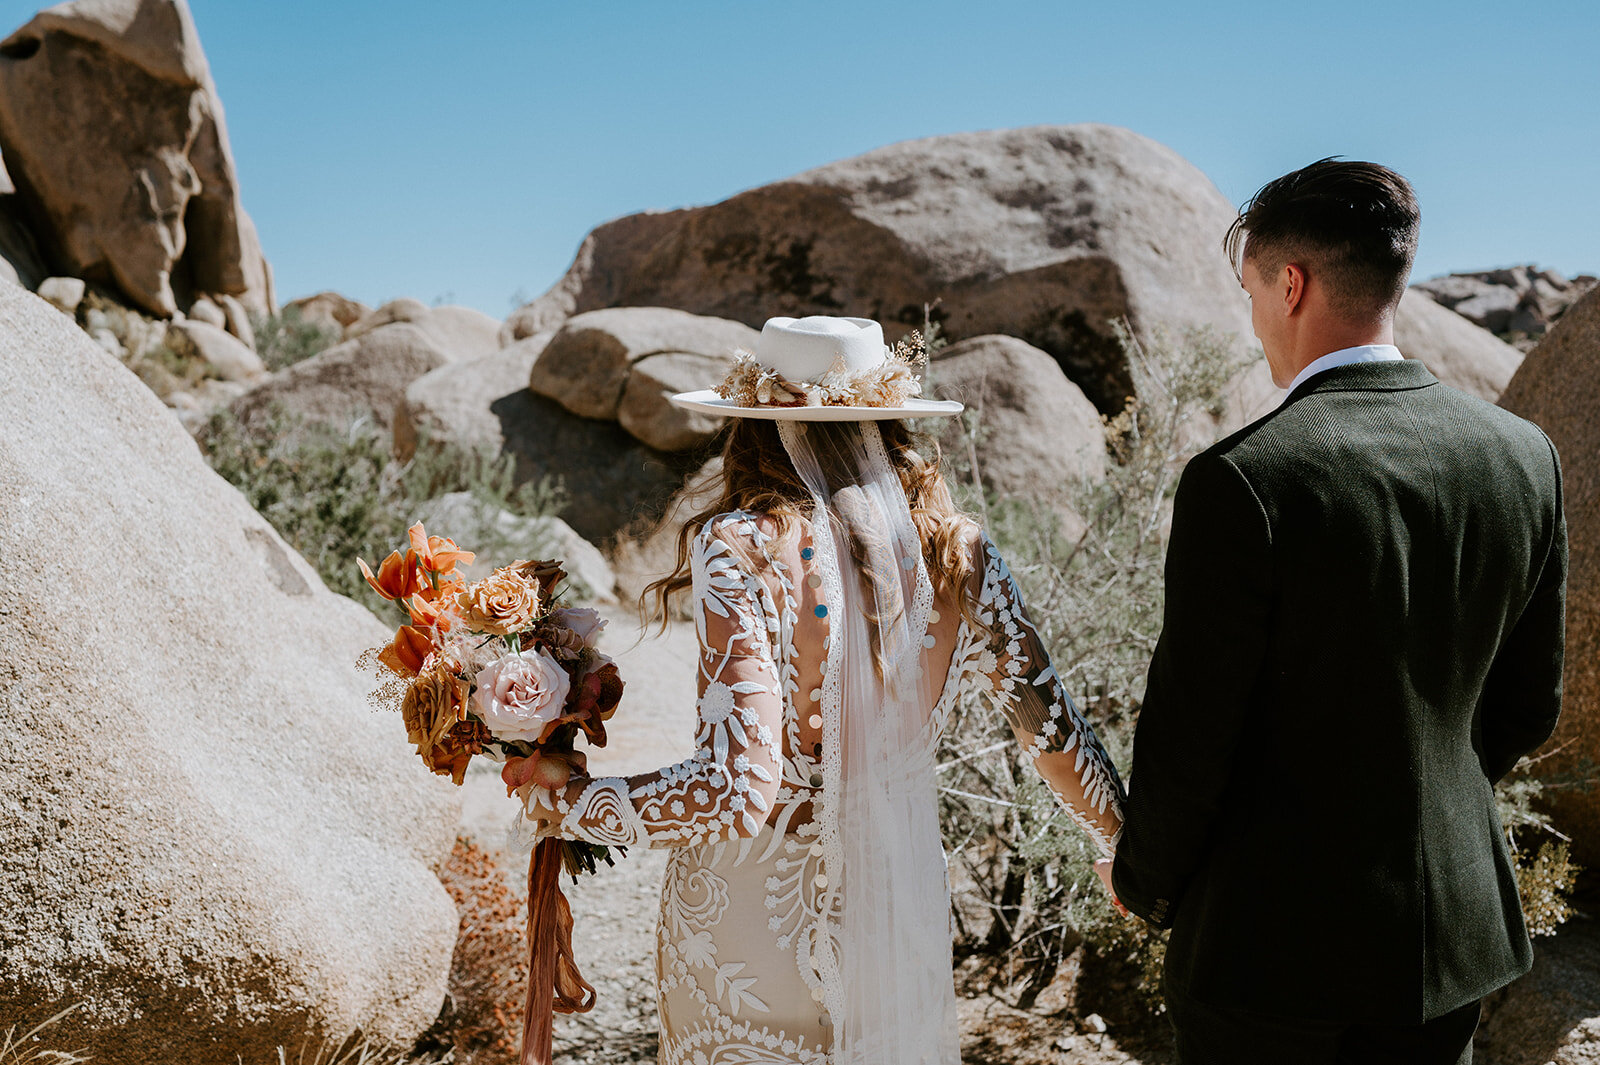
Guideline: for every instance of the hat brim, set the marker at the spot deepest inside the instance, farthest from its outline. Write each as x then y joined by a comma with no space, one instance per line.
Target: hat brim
706,401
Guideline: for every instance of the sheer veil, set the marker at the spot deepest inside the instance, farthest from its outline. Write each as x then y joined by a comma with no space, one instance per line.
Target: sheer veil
885,970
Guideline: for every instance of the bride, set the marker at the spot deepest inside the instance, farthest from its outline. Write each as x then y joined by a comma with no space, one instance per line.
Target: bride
842,604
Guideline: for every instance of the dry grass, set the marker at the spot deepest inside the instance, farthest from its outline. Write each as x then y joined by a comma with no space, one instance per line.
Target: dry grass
25,1049
356,1050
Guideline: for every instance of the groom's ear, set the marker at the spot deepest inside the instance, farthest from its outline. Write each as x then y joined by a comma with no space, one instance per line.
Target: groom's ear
1292,286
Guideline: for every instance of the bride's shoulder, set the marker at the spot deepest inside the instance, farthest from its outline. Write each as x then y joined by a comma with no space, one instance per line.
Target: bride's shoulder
747,532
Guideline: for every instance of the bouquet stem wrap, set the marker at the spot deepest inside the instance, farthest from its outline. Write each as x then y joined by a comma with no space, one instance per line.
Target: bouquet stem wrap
554,983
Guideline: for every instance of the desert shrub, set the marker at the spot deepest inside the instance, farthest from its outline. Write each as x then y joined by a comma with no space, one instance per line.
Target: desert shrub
288,337
337,494
1026,895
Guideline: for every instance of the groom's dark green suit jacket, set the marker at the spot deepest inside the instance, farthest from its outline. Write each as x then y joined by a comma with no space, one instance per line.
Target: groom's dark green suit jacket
1363,632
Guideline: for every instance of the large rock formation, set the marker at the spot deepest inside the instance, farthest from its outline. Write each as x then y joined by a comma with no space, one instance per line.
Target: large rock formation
622,365
453,406
1045,233
329,308
612,480
1558,388
1032,433
364,377
1457,352
208,839
459,332
114,137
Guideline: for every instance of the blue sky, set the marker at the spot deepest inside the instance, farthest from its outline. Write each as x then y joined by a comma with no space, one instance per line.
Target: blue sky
460,150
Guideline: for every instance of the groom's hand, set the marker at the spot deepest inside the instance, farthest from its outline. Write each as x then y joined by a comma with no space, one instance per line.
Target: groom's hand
1102,866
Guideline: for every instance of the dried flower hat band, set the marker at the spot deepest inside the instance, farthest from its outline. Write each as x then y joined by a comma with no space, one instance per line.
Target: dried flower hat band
823,369
750,383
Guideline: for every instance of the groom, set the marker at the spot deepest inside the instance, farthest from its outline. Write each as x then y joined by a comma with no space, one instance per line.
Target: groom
1363,633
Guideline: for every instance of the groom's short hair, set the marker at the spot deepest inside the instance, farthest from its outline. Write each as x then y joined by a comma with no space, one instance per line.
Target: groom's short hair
1352,224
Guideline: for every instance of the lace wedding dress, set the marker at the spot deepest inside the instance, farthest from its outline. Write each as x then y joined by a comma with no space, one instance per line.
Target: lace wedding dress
768,950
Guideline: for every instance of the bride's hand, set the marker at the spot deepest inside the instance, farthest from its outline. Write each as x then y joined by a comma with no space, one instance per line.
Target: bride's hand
1103,867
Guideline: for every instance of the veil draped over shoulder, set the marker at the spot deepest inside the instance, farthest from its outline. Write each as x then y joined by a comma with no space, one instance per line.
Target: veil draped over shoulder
887,982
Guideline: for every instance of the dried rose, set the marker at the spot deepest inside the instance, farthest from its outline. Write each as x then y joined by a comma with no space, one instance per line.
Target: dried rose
585,622
546,573
502,603
433,705
521,697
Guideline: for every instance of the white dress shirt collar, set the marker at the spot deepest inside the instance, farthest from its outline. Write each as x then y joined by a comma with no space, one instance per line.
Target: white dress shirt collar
1344,357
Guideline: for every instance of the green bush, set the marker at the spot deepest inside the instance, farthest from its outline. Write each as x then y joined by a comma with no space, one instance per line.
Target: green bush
337,494
1027,895
286,338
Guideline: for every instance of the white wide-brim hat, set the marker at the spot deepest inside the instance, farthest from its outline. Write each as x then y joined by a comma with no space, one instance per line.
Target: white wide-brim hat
803,350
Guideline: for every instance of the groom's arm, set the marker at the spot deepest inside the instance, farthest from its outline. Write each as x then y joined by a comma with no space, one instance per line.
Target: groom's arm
1213,638
1522,693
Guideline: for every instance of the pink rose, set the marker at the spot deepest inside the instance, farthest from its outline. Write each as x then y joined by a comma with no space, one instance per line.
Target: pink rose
585,621
519,696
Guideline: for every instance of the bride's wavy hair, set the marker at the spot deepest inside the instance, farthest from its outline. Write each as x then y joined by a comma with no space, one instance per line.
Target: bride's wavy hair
757,475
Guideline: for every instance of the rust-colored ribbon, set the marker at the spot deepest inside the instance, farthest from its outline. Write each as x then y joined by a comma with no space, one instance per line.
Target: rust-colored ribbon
554,983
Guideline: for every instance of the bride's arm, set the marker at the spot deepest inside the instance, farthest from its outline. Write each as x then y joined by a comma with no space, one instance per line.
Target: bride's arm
1023,685
726,788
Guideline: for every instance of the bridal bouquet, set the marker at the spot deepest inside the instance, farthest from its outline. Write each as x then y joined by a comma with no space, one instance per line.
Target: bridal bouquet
499,667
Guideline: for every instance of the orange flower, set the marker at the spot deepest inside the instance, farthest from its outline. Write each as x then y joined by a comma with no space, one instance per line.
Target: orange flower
398,576
410,649
427,612
436,554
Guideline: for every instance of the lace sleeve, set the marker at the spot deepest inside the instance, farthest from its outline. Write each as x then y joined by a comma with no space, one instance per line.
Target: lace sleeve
1016,677
727,786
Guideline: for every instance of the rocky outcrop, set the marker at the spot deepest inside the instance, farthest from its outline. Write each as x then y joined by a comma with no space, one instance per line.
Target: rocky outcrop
1558,388
364,377
329,308
62,293
1518,303
622,364
453,406
208,839
114,137
459,332
21,262
225,356
1045,233
1030,433
1457,352
612,481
